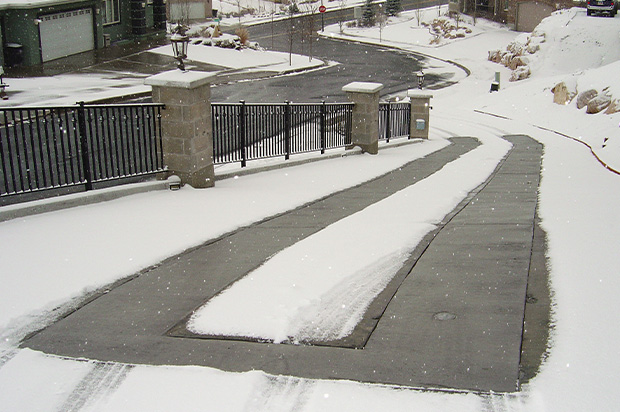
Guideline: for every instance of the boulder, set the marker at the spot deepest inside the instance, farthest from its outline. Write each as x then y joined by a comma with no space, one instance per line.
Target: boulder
521,73
507,58
614,107
495,56
518,61
598,104
584,97
561,94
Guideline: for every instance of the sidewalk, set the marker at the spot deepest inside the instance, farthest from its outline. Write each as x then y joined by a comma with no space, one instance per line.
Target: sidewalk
451,318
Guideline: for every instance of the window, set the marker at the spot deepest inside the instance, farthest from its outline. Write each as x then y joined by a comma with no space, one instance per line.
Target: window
111,12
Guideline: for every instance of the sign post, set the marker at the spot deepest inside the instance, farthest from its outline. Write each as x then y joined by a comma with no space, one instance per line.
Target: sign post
322,10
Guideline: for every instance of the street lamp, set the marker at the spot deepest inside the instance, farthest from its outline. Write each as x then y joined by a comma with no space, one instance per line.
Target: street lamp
420,79
179,42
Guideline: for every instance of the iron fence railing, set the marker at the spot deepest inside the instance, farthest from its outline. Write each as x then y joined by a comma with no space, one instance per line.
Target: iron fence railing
394,120
60,147
247,131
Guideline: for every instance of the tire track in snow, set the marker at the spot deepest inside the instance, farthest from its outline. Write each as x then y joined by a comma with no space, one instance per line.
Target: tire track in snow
100,382
505,402
280,393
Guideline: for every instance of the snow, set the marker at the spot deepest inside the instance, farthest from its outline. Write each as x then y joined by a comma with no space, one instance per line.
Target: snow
244,58
48,260
67,89
329,280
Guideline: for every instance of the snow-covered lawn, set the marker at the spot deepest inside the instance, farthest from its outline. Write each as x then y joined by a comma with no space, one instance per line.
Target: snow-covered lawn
49,259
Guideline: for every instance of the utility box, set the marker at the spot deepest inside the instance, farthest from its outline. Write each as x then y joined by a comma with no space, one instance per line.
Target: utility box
420,113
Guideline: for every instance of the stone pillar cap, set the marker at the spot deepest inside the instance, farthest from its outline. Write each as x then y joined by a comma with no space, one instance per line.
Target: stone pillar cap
417,93
180,79
362,87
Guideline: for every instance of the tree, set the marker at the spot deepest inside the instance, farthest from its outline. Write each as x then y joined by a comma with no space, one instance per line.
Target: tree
342,4
392,7
291,35
308,23
382,20
418,15
368,14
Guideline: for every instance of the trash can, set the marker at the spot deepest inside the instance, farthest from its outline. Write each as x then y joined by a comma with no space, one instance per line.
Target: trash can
14,54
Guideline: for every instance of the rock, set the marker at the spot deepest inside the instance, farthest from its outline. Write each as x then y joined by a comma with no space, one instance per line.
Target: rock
521,73
598,104
614,107
584,97
506,59
561,94
495,56
518,61
533,48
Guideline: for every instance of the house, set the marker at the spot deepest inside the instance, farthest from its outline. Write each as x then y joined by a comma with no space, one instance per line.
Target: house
522,15
37,31
186,11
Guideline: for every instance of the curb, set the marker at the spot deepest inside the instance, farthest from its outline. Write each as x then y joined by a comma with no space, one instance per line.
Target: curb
10,212
62,202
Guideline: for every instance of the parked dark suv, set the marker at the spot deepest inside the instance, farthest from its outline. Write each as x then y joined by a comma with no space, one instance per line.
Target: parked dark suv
602,6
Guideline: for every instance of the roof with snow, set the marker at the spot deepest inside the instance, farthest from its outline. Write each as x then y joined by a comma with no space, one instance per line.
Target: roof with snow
26,4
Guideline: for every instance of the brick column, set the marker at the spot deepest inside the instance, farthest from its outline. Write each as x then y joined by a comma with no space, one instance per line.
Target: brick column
186,124
365,130
420,113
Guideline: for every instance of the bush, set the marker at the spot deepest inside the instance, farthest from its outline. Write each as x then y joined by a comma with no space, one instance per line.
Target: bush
244,35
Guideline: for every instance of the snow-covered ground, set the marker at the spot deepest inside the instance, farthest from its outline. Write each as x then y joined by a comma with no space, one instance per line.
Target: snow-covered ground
48,260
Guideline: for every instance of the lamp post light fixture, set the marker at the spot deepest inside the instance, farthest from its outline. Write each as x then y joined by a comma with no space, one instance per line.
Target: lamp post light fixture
179,42
420,79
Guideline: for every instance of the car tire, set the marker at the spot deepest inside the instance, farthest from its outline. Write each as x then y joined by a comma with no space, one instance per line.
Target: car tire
589,12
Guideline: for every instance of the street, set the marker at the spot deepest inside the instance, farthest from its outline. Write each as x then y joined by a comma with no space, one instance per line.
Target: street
354,62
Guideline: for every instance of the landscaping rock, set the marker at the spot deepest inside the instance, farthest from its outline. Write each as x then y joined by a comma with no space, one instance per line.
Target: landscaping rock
584,97
518,61
561,94
614,107
495,56
520,73
598,104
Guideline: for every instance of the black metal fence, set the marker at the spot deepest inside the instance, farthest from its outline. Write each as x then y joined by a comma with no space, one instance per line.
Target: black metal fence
80,145
247,131
394,120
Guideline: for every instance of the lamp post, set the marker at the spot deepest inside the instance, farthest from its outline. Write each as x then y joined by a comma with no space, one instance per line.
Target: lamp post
420,79
179,42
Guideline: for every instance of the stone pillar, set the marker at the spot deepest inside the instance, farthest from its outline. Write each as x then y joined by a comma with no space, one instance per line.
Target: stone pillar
420,113
186,124
365,130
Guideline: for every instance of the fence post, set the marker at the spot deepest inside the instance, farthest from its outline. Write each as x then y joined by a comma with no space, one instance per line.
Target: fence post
323,128
420,113
84,146
186,124
365,123
287,130
242,133
388,123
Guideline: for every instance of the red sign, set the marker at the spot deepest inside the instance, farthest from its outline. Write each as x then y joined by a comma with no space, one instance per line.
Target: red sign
322,9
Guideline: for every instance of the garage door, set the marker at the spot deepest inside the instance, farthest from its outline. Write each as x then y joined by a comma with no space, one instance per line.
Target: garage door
529,14
63,34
